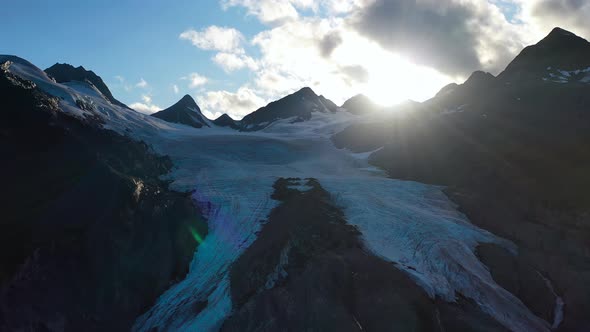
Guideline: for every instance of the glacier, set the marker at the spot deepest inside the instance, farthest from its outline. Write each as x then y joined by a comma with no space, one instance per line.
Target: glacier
230,174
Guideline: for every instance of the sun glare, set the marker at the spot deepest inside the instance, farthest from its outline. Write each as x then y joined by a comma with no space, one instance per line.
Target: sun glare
392,79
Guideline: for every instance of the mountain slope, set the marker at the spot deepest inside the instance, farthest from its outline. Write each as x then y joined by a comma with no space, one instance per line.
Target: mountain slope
66,73
559,55
513,152
90,235
299,106
185,111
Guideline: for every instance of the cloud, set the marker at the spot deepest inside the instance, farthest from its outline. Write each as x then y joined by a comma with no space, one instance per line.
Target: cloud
231,62
389,50
195,80
236,104
329,43
454,36
572,15
142,84
269,11
215,38
145,106
355,73
175,89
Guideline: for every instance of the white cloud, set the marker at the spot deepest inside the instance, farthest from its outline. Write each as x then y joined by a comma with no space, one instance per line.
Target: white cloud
543,15
146,105
235,104
142,84
195,80
146,99
267,11
175,89
215,38
343,47
231,62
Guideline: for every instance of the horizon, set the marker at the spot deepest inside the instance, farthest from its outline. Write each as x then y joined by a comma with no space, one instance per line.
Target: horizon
235,56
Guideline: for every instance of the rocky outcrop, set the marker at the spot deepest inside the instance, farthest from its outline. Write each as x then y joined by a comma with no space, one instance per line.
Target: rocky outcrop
91,235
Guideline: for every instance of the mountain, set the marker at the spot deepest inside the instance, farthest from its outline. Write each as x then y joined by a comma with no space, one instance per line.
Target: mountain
561,56
360,104
225,120
467,212
510,151
299,106
63,72
90,235
185,111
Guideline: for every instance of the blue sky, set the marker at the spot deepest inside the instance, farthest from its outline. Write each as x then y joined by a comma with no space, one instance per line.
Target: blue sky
234,56
132,39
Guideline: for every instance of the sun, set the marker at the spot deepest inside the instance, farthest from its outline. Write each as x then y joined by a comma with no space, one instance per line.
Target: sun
391,78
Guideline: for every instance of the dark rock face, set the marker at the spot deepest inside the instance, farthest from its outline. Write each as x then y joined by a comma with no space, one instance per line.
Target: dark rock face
226,121
185,111
91,236
308,271
514,155
561,49
360,104
298,105
63,72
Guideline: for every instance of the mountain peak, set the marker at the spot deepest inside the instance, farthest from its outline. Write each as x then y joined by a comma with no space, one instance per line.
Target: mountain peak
225,120
557,31
188,101
560,50
298,105
360,104
64,72
185,111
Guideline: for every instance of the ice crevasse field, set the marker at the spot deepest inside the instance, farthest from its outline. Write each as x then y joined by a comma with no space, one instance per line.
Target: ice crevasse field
231,175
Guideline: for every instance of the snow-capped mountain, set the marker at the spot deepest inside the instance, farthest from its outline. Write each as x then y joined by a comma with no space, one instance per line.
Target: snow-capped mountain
311,223
296,107
186,112
63,72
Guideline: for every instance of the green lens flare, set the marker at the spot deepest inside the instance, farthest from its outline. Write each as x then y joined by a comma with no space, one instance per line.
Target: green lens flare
196,235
